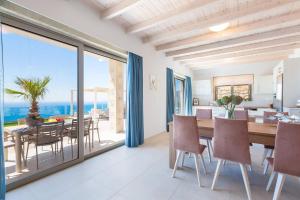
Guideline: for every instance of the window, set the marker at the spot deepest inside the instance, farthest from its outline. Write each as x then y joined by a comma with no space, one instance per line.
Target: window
104,100
233,85
179,95
39,75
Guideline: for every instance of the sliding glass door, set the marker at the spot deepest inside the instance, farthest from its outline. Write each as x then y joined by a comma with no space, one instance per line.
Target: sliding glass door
40,74
104,101
179,95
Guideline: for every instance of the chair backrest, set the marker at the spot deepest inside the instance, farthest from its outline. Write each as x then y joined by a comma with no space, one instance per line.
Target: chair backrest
267,117
204,113
287,149
54,129
231,140
87,124
241,114
186,136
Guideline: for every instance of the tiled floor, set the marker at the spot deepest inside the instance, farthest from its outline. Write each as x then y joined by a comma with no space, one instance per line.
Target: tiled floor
143,173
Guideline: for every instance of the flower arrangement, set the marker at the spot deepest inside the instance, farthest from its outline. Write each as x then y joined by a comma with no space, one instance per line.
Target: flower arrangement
229,103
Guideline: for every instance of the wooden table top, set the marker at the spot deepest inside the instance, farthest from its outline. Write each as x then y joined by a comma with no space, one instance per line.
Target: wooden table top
253,128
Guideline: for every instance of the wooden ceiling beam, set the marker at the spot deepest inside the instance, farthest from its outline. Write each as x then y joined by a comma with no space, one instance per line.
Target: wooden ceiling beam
248,39
263,51
218,18
256,59
249,28
119,9
167,16
241,48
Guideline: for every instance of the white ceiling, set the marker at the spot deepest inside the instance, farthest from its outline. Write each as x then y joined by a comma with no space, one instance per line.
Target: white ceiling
259,30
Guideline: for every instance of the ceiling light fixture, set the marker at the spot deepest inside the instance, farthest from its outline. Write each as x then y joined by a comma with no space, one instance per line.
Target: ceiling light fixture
219,27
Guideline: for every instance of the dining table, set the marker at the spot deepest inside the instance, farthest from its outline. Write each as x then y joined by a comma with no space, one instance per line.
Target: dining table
23,130
259,133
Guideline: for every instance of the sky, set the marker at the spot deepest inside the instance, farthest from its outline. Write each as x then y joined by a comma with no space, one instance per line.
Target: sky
34,57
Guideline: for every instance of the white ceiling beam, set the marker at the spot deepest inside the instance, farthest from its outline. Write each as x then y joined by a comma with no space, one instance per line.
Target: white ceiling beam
220,17
263,51
119,9
254,38
241,48
189,7
223,63
249,28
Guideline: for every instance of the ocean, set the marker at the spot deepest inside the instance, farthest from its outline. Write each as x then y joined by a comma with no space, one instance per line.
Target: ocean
15,111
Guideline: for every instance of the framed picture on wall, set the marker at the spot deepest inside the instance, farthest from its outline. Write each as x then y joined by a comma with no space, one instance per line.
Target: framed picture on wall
196,102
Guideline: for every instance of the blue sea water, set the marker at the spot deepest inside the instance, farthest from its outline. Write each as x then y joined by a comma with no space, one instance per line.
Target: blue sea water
15,111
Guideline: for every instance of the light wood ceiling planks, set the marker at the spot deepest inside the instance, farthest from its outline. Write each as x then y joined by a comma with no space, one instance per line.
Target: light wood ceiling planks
180,29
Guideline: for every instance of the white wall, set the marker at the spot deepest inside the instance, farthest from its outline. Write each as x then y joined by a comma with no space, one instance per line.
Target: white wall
84,18
291,79
260,70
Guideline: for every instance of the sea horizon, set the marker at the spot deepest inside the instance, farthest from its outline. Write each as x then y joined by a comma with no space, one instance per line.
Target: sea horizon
19,110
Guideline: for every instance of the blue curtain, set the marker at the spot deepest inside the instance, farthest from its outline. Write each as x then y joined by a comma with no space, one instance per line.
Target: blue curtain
170,96
188,96
135,113
2,166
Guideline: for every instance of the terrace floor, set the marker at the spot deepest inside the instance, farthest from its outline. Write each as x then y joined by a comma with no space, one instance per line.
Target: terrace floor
48,159
143,173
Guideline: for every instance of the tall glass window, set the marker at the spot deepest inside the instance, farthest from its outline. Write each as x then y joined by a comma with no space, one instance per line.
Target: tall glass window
39,76
179,95
104,105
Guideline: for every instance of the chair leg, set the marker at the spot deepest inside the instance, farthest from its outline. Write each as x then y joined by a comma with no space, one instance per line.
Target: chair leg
220,162
182,160
246,180
273,174
208,148
266,168
279,184
62,149
179,154
72,148
203,164
264,156
90,148
211,146
27,151
98,135
197,169
37,157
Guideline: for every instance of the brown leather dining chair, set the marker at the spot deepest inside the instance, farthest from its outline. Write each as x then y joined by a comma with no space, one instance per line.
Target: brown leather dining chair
286,159
231,143
203,114
186,139
268,148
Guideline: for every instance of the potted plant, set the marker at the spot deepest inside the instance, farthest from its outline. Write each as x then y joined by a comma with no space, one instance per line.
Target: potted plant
31,90
229,103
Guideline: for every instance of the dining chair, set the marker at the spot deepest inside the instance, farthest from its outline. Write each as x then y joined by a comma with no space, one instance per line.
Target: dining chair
268,152
48,134
241,115
186,139
203,114
231,143
286,159
72,132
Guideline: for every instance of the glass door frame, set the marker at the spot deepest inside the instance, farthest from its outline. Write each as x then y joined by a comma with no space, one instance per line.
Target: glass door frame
110,56
176,77
23,25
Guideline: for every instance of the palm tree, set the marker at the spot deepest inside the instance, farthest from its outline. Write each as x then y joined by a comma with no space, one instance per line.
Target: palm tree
31,90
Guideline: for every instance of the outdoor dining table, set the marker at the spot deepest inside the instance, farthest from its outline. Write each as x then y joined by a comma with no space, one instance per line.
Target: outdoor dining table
259,133
24,130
